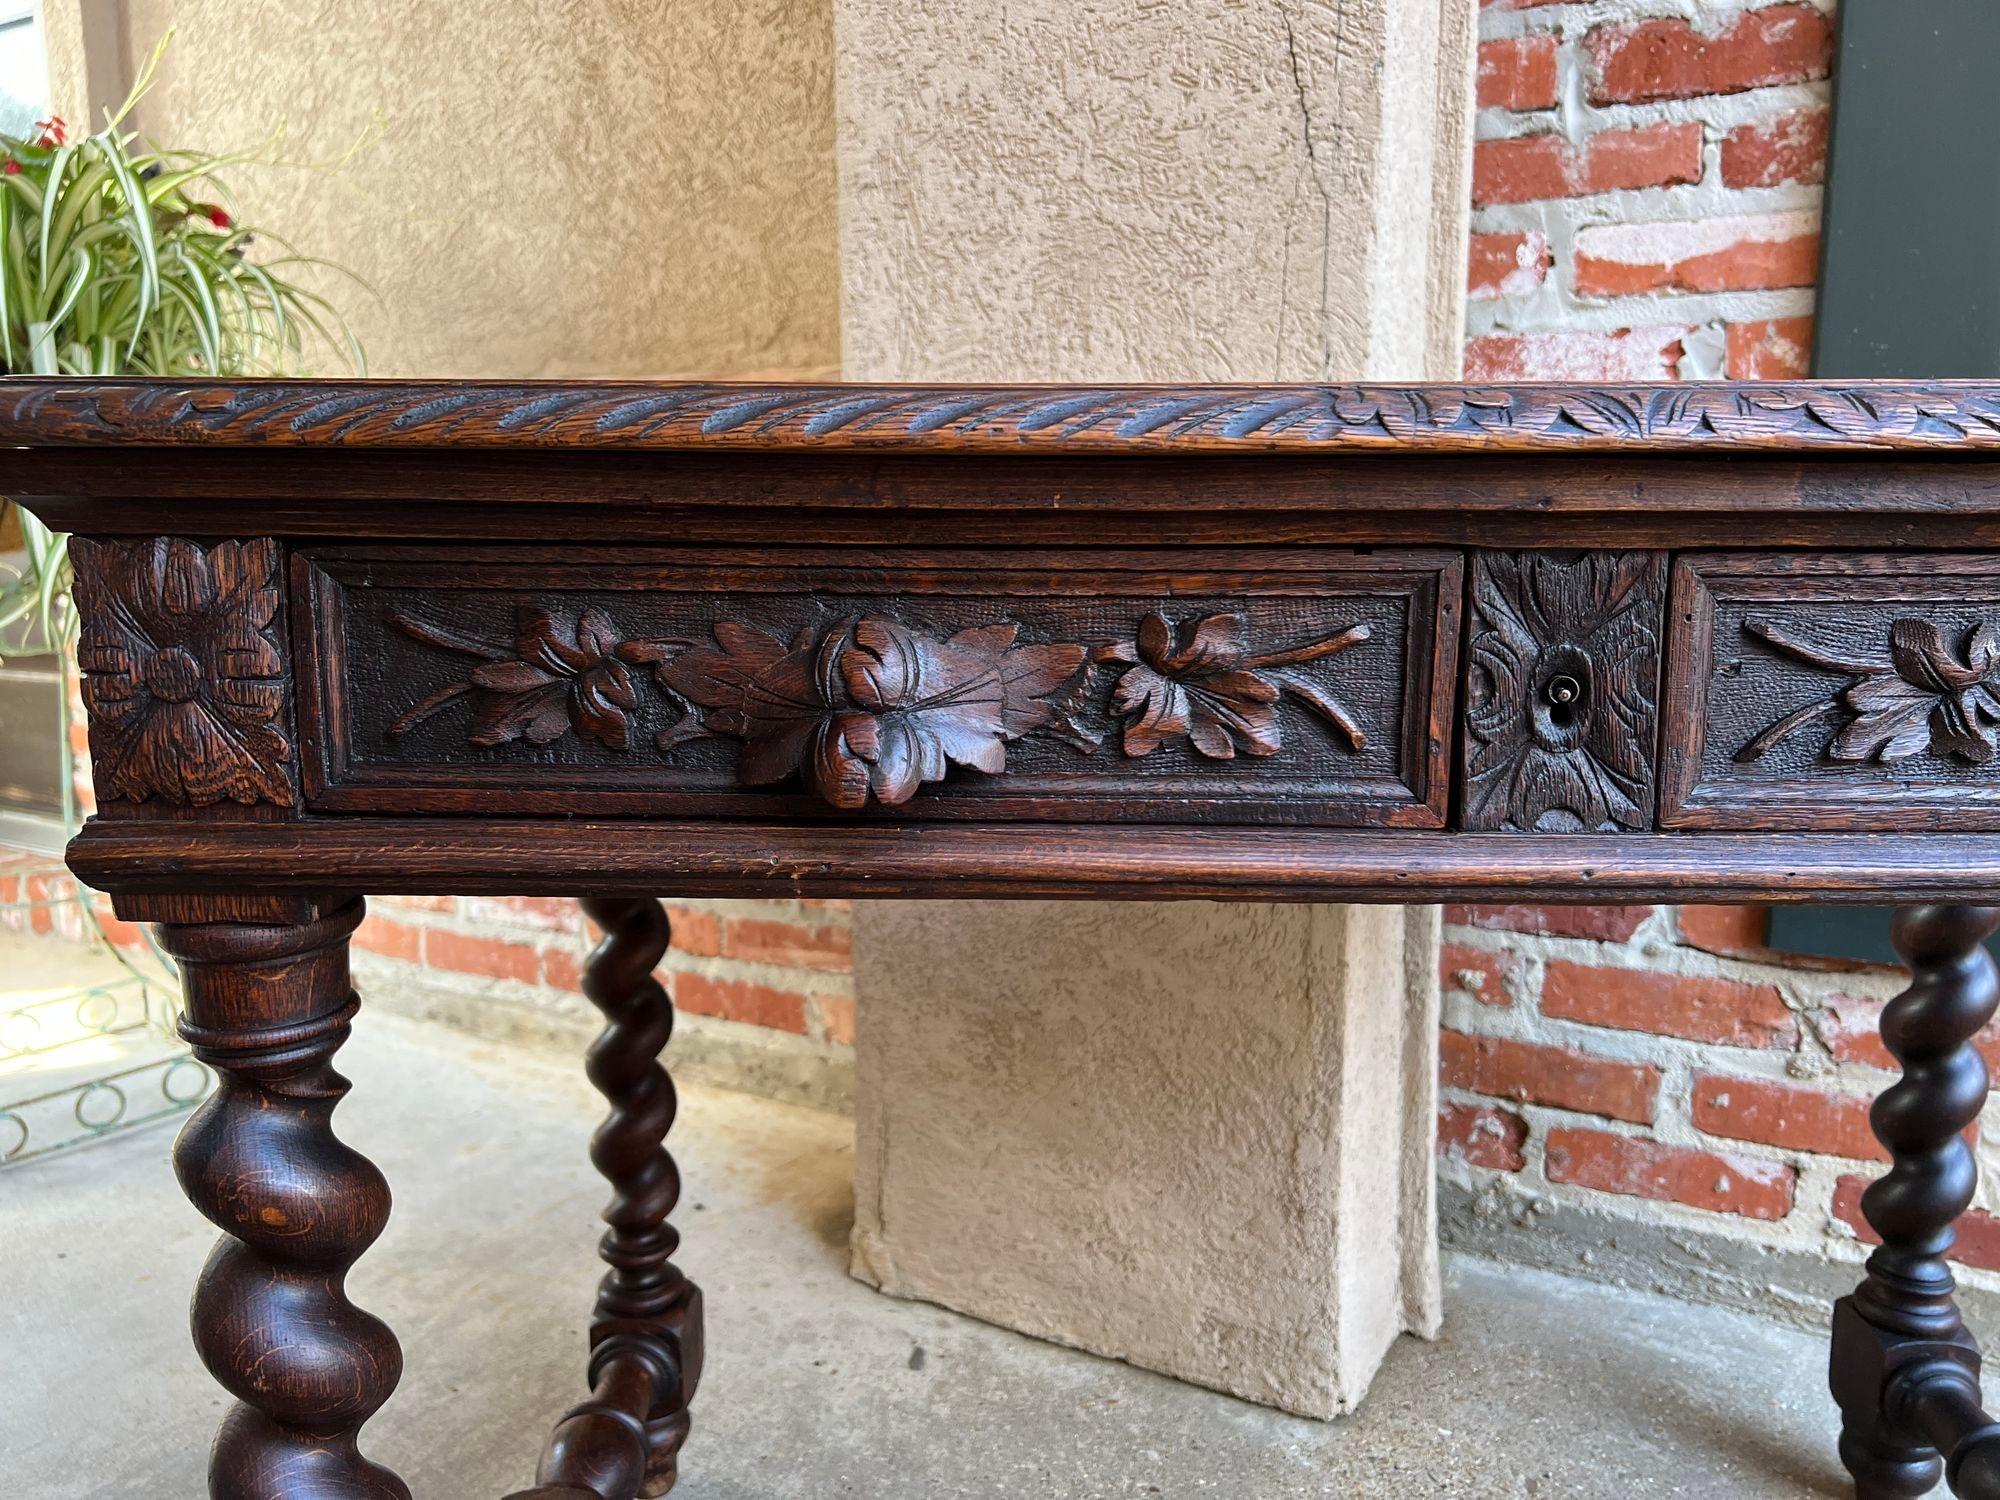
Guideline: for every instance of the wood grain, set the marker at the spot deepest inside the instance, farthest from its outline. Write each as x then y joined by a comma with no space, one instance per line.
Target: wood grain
1900,1333
1679,417
267,1008
477,856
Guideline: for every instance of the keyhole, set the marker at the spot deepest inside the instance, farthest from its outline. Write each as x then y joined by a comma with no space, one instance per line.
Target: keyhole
1563,692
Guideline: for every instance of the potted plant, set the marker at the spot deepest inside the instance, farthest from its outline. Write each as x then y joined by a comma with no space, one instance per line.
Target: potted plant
118,257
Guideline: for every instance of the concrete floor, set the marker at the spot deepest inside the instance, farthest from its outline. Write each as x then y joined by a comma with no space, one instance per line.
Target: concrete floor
816,1386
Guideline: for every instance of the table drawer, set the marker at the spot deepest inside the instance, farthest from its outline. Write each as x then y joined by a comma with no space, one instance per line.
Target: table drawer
1308,685
1846,690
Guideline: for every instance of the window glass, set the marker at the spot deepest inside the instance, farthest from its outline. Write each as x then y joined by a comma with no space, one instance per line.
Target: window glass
24,73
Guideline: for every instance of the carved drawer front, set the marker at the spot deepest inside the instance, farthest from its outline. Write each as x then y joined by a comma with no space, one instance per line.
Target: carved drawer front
1856,690
1562,679
1307,685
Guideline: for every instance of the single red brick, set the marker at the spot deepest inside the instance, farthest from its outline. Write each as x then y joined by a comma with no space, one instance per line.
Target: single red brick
1745,252
492,957
1482,1134
1713,255
789,944
1561,1078
1479,972
1640,1168
1783,1114
1850,1025
1518,73
1770,349
390,938
1506,265
836,1019
1730,930
562,968
1788,147
1624,354
740,1000
1669,59
1978,1242
1607,924
119,932
696,931
1726,1011
1525,168
41,920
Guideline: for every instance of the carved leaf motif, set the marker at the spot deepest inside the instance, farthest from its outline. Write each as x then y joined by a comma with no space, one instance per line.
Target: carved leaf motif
1459,418
1561,712
872,708
565,673
1200,683
1922,697
184,669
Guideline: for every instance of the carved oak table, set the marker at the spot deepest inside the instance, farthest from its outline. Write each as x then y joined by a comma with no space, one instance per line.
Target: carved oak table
1700,642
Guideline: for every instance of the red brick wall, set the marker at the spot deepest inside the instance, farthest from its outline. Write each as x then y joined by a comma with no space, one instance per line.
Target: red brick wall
781,965
1661,1063
1646,197
1646,189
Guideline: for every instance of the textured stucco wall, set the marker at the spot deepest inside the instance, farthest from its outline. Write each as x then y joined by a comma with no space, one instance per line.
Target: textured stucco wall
1125,190
1195,1137
598,187
1191,1136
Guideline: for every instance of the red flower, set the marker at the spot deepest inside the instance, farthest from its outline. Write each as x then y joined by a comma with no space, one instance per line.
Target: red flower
54,132
218,217
13,168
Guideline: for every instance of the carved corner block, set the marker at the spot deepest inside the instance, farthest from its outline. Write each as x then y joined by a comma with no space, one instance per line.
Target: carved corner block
186,677
1562,691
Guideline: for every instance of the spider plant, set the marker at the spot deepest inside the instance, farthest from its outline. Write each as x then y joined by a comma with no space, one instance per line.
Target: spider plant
120,258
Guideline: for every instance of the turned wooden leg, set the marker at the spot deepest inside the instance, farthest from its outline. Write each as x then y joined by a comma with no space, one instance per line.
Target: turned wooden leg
646,1337
1899,1344
267,1007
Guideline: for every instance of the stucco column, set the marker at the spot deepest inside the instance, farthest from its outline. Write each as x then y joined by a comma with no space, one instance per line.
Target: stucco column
1192,1136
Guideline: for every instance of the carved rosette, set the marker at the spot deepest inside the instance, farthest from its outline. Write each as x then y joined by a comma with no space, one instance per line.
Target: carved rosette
872,708
1912,692
1562,699
184,670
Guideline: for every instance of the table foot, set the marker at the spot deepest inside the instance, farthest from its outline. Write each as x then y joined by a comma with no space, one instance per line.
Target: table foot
646,1335
267,1007
1905,1370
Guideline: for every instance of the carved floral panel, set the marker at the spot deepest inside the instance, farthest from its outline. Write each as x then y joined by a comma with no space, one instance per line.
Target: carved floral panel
185,675
1873,681
985,694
